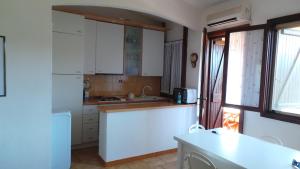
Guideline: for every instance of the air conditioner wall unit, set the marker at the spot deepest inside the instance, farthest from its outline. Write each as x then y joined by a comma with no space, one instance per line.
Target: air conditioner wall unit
230,17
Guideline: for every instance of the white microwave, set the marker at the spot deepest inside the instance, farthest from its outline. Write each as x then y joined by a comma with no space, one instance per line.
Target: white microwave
189,96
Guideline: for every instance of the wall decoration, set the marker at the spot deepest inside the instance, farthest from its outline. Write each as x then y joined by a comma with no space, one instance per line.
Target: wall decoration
194,59
2,67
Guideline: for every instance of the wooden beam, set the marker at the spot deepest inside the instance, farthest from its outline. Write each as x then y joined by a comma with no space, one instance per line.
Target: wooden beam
93,16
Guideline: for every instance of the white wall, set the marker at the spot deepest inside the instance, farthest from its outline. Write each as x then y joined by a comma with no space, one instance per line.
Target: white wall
25,112
194,46
254,124
257,126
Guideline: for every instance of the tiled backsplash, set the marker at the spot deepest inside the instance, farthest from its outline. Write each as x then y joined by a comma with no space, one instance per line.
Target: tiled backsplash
120,85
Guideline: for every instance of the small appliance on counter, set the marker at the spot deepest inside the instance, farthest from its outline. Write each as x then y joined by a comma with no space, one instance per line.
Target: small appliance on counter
186,95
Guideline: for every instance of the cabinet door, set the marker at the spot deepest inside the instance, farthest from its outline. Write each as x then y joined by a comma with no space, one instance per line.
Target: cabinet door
67,95
68,51
110,47
153,53
90,46
67,23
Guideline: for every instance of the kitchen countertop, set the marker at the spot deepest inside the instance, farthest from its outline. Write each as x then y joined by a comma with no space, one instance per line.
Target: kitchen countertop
94,101
139,106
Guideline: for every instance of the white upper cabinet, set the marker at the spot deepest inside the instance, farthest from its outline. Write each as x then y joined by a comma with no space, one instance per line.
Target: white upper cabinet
67,23
90,46
68,52
68,43
110,48
153,53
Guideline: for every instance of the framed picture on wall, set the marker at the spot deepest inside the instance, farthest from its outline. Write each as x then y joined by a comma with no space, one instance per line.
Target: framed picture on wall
2,67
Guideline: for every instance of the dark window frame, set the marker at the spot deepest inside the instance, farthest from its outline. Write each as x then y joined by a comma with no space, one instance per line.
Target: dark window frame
227,37
270,46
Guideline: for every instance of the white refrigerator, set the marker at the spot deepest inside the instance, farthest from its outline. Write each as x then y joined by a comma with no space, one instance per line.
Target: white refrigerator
67,95
61,140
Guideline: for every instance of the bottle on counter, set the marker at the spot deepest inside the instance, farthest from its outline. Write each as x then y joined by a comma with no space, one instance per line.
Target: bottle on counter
179,98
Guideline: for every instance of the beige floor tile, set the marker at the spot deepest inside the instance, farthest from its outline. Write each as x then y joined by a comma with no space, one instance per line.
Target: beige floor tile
89,159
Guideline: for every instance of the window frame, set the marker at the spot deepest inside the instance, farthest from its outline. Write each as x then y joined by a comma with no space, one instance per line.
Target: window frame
268,62
227,37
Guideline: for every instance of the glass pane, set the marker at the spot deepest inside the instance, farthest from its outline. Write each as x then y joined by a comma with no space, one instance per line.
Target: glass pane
244,68
286,90
231,119
133,50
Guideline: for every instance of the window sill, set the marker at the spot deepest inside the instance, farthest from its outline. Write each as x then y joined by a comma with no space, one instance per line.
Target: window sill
281,117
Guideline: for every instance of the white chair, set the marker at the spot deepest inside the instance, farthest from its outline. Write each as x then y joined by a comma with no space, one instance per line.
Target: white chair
196,127
199,161
272,139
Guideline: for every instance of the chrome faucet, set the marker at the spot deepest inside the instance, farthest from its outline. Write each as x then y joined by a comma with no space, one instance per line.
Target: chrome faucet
143,91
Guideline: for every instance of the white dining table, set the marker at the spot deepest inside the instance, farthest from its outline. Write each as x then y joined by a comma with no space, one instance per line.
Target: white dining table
229,150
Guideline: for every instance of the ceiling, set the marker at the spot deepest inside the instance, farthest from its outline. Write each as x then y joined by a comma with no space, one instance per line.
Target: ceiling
201,4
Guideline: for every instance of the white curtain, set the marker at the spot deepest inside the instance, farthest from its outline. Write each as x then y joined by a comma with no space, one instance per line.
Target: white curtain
172,67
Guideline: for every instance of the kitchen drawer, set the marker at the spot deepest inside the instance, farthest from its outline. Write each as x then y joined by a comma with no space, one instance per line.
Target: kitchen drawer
90,137
90,109
91,118
90,132
92,127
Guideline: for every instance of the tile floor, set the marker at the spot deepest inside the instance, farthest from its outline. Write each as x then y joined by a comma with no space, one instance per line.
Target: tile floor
88,159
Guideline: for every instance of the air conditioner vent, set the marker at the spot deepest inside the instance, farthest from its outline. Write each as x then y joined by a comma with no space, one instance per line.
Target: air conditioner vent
230,17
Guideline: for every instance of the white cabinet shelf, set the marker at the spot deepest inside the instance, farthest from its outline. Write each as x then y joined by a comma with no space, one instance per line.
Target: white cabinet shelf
110,48
67,23
68,52
90,46
153,53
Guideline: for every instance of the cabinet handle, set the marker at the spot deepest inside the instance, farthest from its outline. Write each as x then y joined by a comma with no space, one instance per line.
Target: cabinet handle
78,72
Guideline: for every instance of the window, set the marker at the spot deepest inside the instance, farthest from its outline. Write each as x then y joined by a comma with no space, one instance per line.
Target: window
282,69
243,65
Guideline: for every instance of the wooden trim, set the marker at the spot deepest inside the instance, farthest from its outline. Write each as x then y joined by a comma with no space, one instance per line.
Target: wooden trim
4,66
96,17
268,70
241,122
184,56
241,107
203,60
131,159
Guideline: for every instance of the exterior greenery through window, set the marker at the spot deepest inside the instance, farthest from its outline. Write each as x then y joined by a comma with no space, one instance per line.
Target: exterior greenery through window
282,69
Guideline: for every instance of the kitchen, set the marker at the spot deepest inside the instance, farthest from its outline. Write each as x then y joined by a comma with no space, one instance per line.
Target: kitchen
118,81
33,136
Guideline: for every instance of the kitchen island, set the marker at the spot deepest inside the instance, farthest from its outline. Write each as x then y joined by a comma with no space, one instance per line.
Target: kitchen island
134,131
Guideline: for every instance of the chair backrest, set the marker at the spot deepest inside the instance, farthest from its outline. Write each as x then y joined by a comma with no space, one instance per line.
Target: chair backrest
272,139
199,161
196,127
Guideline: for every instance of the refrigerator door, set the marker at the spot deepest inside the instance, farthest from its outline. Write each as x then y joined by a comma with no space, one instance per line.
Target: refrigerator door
67,95
61,140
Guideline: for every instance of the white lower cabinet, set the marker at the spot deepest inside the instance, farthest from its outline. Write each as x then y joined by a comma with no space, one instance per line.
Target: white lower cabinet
90,124
134,133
